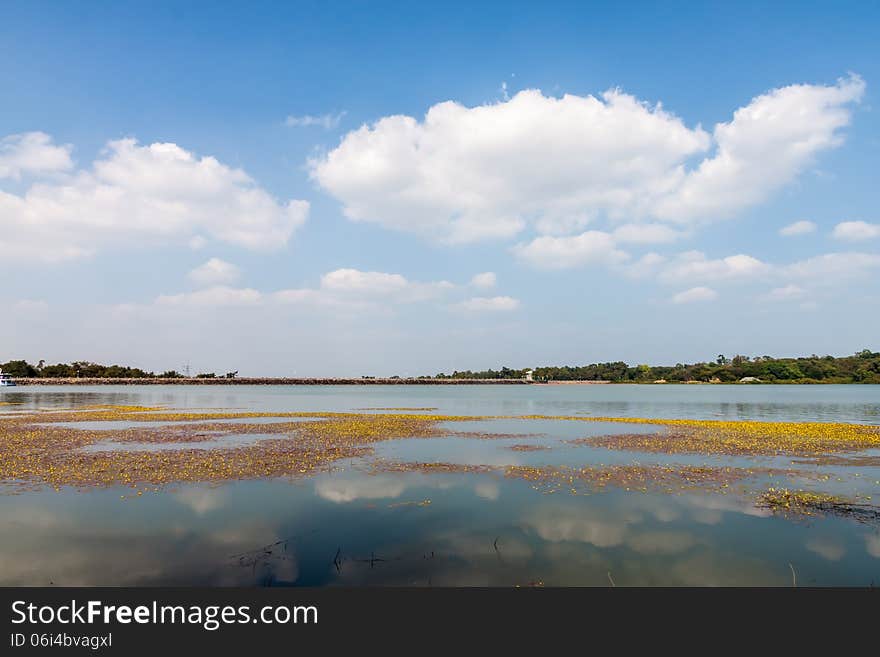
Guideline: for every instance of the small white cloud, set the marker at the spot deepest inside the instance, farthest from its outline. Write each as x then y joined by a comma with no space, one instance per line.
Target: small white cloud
798,228
694,265
591,247
787,292
695,294
647,265
489,304
364,282
32,153
485,280
212,296
215,272
326,121
354,282
834,266
347,289
856,231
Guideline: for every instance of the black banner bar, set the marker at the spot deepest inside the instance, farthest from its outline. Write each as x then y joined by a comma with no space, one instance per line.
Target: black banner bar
130,621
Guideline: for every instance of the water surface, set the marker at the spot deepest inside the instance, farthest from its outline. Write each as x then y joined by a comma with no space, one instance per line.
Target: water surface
355,526
828,403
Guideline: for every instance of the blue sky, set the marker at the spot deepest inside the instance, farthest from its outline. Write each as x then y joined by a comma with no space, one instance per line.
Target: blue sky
314,188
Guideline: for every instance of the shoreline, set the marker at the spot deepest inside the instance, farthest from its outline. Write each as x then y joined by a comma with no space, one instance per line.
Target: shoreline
257,381
326,381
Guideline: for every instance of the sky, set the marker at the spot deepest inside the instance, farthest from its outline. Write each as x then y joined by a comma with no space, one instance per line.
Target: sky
379,188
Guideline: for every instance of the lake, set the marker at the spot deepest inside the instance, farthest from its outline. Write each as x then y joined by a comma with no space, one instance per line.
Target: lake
503,510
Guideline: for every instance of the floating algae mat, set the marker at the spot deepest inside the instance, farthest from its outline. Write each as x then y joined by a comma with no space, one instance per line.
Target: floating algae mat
424,486
745,437
226,441
108,425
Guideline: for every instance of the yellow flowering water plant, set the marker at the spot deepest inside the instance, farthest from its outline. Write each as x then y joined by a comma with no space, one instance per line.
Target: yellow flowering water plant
39,448
810,503
736,437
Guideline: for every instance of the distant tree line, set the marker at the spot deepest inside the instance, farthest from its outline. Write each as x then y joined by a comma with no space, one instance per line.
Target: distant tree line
863,367
87,370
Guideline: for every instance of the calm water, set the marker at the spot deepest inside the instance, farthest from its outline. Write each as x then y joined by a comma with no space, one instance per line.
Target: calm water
844,403
348,527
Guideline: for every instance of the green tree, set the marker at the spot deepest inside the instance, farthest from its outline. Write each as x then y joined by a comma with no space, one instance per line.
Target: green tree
19,368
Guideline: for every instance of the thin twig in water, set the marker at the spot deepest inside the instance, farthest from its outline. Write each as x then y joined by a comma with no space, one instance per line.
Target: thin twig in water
373,560
793,575
610,579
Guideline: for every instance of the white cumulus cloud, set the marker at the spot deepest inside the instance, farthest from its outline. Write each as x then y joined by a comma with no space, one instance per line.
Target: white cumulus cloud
489,304
464,174
380,284
143,195
486,279
856,231
648,265
831,267
786,292
798,228
32,153
341,288
695,294
214,272
219,295
765,146
369,282
694,265
590,247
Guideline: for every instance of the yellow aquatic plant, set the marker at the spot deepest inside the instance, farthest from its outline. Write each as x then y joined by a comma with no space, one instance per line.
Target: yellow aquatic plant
736,436
810,503
36,449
